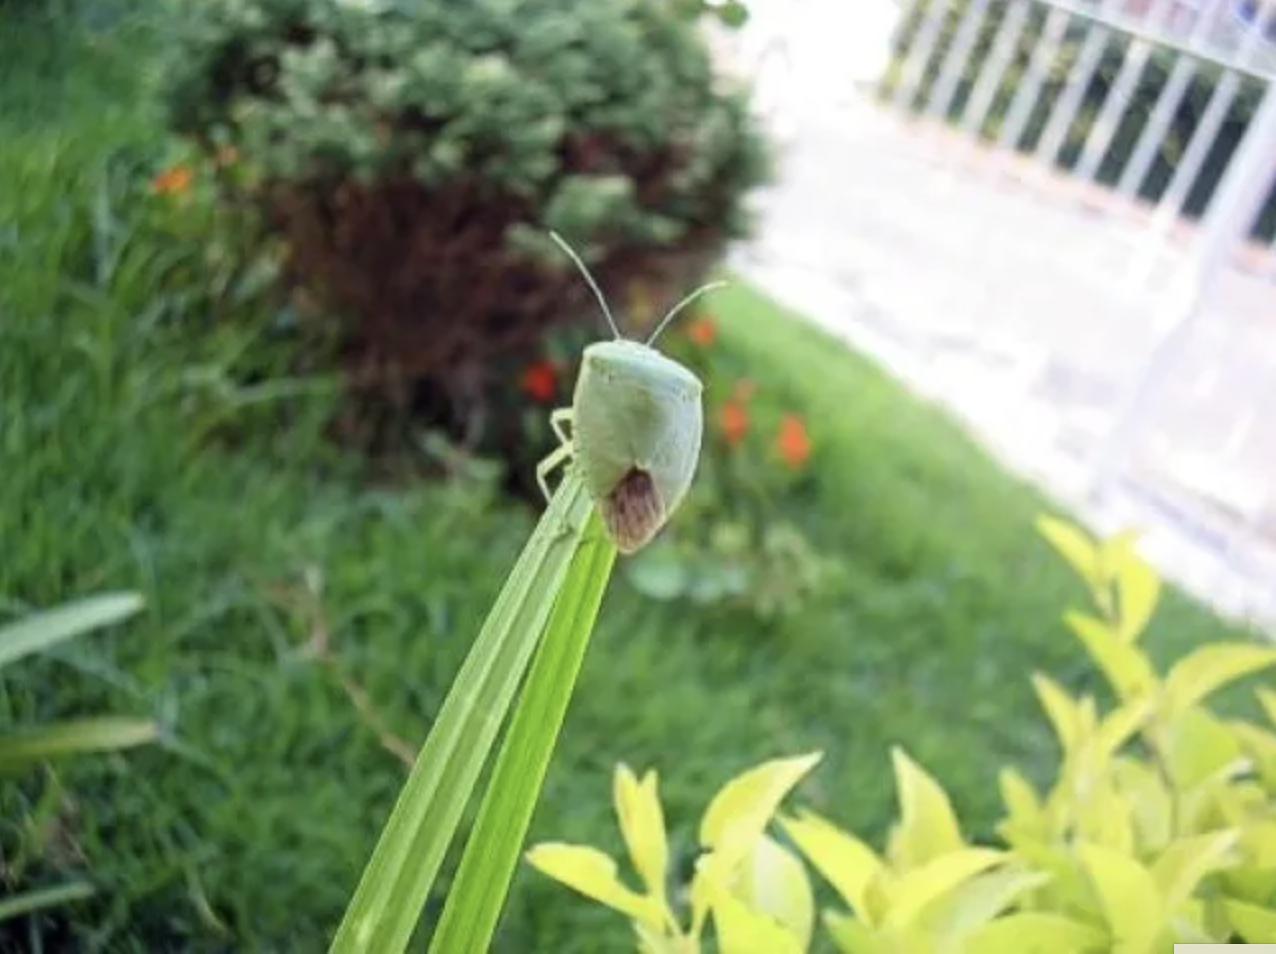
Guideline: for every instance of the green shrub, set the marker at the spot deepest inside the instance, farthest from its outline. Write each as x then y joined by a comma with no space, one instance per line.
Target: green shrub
1160,827
411,156
1152,81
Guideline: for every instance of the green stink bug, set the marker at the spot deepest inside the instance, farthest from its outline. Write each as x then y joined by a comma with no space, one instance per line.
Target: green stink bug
636,422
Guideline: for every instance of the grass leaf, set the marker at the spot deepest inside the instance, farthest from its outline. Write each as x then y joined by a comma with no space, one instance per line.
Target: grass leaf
478,893
39,631
42,898
103,734
394,887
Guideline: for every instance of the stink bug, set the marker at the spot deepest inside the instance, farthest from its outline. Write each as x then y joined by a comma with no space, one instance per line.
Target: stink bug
636,422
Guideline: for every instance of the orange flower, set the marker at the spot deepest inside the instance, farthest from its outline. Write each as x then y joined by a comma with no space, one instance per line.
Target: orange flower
175,180
227,156
734,421
702,332
744,390
793,443
540,381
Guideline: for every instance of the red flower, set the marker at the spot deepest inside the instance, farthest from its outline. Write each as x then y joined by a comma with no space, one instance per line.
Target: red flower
734,421
793,443
176,180
540,381
702,332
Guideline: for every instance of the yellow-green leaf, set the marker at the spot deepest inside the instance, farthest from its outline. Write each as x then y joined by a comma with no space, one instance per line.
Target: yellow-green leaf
1126,666
978,901
1189,860
1151,806
1200,746
593,874
1139,589
848,864
1116,551
854,937
1209,668
1063,711
928,826
1259,745
739,813
743,930
1267,699
772,881
1120,725
1106,819
1036,932
909,895
1128,895
1025,815
1254,924
1075,546
642,822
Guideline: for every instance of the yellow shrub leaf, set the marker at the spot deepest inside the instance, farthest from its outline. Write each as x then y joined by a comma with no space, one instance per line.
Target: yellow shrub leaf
1139,589
1075,546
909,895
849,865
739,813
1267,699
1126,666
1120,725
927,827
1209,668
1151,805
642,822
1128,895
1259,745
1025,815
744,930
978,901
1063,711
593,874
1254,924
855,937
1199,747
1105,818
1036,932
773,882
1185,863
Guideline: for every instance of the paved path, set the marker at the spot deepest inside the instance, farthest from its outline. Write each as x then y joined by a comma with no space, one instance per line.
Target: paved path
1007,296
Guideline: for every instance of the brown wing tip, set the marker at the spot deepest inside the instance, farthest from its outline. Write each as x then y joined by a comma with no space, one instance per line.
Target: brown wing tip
633,511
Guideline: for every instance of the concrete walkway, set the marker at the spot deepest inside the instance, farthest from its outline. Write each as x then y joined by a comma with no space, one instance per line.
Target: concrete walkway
1018,304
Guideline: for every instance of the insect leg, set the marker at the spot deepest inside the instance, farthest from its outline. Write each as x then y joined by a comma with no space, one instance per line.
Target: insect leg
556,457
564,415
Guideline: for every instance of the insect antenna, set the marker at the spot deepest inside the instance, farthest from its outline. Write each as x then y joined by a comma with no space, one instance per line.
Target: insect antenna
712,286
589,278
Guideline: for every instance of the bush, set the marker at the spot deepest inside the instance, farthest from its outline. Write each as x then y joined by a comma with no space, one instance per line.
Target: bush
411,156
1152,81
1160,827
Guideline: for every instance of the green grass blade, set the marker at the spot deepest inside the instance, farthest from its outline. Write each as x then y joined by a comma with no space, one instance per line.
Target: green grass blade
103,734
477,895
39,631
43,898
396,883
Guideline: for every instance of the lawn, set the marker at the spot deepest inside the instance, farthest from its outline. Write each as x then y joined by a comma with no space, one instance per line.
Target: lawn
136,456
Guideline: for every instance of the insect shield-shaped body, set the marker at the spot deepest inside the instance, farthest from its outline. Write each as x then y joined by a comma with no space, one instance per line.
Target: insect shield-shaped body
636,424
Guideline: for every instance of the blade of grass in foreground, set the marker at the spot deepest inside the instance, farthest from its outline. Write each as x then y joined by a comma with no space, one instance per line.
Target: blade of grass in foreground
477,895
396,883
